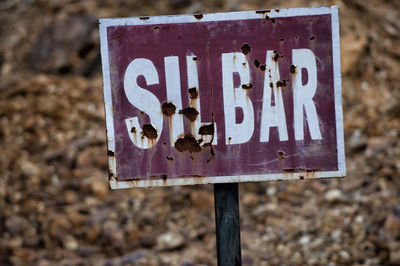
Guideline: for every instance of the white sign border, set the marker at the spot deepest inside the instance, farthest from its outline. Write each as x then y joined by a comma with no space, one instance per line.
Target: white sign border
245,15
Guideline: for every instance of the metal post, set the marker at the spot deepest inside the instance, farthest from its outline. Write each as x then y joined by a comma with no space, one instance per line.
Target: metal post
226,197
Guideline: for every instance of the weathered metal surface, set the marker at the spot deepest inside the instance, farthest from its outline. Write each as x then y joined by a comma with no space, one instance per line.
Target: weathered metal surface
230,97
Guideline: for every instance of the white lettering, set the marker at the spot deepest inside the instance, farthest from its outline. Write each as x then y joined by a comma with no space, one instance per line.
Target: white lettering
193,84
173,83
145,101
272,116
303,94
236,98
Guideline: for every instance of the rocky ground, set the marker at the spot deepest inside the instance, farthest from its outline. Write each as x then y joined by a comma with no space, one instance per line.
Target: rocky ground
55,205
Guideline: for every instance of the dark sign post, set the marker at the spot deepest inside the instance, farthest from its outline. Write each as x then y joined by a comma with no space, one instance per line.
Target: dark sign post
223,98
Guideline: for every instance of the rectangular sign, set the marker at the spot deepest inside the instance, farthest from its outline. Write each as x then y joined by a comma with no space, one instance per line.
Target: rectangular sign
228,97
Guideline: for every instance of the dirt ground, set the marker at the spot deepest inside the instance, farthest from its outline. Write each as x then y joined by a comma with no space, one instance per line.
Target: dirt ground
55,205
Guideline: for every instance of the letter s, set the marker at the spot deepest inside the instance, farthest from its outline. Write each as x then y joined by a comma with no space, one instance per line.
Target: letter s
143,100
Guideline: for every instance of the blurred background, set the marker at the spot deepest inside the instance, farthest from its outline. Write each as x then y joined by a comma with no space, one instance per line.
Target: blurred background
55,205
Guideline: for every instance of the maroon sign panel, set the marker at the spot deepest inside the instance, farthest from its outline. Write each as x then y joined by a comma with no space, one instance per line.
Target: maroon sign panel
230,97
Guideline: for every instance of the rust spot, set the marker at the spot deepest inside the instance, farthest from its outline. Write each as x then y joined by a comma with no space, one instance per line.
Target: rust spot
168,108
281,155
156,27
144,18
247,86
190,113
207,129
198,16
256,63
276,56
293,69
149,131
312,38
193,93
110,153
187,143
246,48
170,158
282,39
281,83
133,130
263,67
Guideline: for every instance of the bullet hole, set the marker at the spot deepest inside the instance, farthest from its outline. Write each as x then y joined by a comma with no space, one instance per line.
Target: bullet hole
198,16
276,56
301,177
170,158
247,86
144,18
149,131
263,67
246,48
282,39
110,174
207,129
187,143
281,155
281,83
156,27
110,153
193,93
194,58
262,11
133,130
277,10
273,20
164,177
164,143
312,38
271,85
293,69
190,113
168,108
256,63
288,169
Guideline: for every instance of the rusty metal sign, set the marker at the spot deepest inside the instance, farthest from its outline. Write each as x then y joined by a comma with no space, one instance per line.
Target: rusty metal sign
229,97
